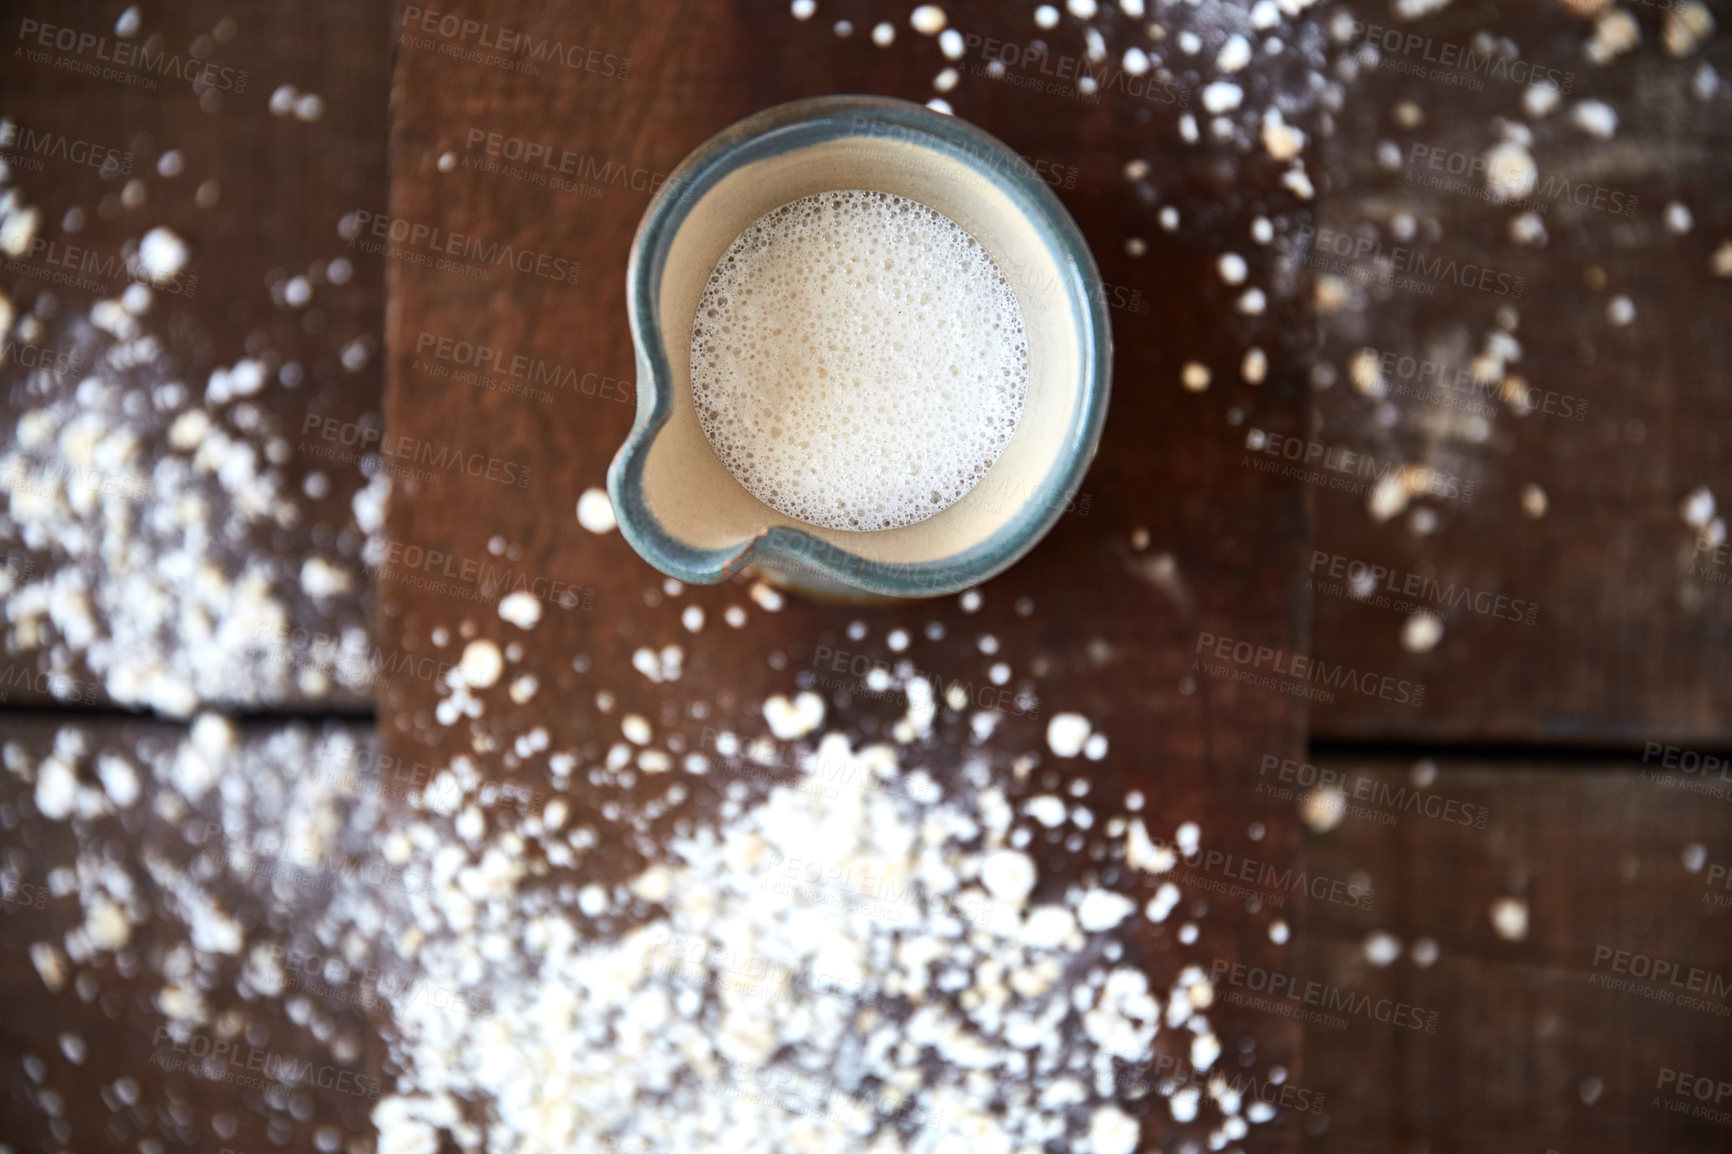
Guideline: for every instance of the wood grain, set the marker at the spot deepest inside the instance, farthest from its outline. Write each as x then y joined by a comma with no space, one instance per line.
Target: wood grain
282,185
1630,621
1558,1040
92,1063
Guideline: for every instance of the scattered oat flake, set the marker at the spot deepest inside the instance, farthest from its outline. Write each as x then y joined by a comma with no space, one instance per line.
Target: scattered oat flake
1534,502
1596,118
1222,96
789,720
1382,948
162,254
1421,632
1112,1131
521,609
1067,734
1686,26
1323,808
1416,9
1698,508
1103,909
928,19
482,663
1509,917
595,511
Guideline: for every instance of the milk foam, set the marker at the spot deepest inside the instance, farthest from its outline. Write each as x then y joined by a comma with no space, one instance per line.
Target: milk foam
858,360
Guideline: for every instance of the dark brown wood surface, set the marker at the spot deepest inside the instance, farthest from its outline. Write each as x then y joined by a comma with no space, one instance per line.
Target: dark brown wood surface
1537,1047
1631,622
93,1063
1105,627
276,186
1561,1039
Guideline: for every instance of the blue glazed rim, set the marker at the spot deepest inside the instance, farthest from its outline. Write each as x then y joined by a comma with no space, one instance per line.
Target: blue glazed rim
786,551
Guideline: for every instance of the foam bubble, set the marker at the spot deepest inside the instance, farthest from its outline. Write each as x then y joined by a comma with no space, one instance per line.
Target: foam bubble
858,360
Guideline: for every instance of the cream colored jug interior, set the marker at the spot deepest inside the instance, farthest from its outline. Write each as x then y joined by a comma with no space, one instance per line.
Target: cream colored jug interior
686,485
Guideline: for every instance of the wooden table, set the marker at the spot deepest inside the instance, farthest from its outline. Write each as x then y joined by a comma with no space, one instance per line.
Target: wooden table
1563,743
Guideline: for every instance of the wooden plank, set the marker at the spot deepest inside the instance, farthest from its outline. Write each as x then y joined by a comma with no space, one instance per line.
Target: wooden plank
1612,624
250,136
1589,1032
146,908
1104,618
